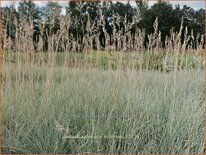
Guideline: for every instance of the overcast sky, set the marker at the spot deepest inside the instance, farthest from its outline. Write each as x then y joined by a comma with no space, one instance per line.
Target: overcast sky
195,5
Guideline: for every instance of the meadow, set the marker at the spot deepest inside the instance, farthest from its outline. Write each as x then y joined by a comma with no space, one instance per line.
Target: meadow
70,92
57,108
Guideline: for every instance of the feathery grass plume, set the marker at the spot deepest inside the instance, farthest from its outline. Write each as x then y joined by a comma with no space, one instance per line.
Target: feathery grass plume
64,92
154,37
184,46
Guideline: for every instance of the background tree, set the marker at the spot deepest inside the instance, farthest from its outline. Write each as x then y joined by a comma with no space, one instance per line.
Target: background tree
81,12
30,13
50,15
9,15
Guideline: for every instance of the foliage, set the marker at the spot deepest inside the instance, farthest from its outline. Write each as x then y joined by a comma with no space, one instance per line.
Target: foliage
107,18
148,60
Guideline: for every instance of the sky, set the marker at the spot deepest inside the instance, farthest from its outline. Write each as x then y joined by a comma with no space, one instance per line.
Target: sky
194,4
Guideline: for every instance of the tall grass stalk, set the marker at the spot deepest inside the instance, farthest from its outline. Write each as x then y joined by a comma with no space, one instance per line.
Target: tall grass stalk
121,98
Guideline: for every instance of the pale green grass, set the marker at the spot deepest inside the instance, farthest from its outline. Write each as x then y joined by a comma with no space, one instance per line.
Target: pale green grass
150,60
141,108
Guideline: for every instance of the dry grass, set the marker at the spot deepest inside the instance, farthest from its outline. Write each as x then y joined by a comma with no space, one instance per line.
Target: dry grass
130,107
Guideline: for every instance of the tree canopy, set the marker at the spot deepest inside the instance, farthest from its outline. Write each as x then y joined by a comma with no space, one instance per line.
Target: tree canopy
139,14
